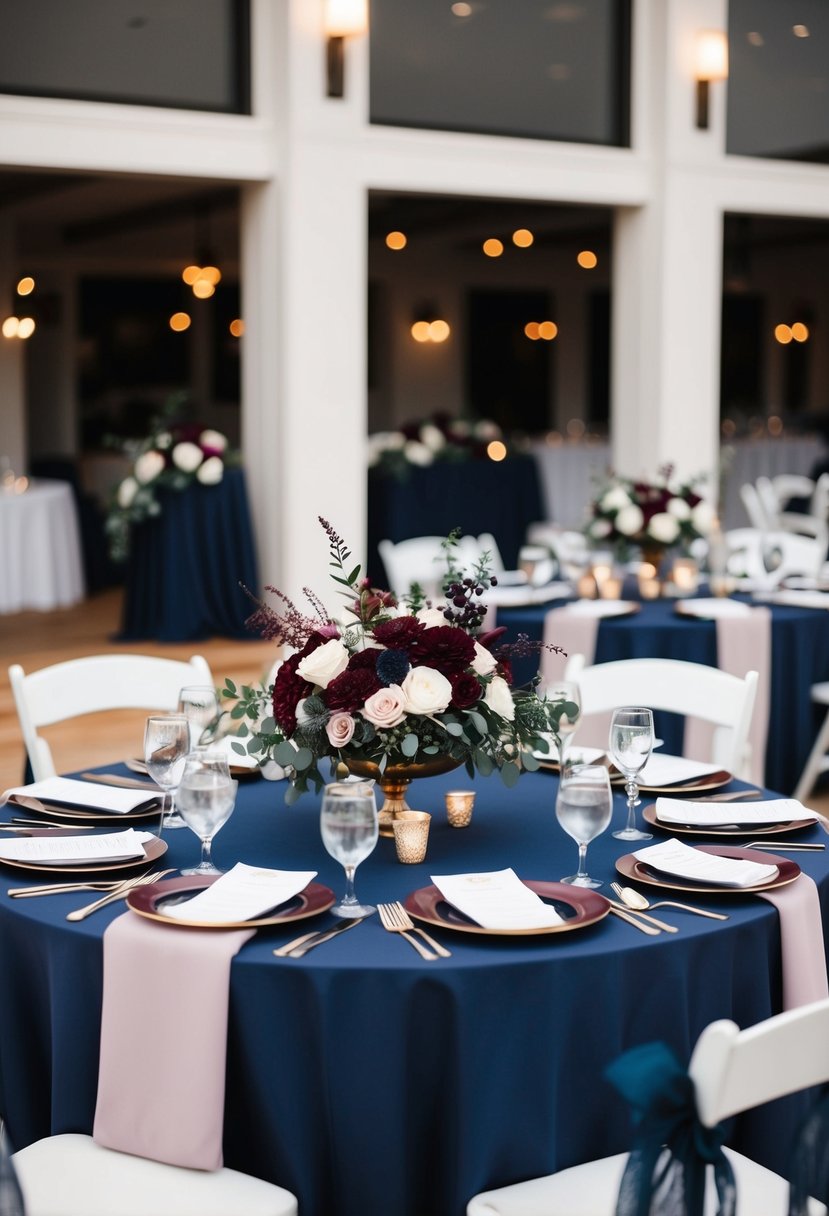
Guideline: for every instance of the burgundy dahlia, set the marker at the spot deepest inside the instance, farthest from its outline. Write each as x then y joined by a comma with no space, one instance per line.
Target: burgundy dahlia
365,659
288,691
350,690
466,690
401,633
445,648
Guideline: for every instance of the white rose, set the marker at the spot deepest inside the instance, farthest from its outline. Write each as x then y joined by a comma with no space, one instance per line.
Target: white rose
703,517
211,472
431,617
163,440
395,441
148,466
417,453
484,661
432,437
385,708
214,440
629,520
499,698
615,499
600,528
426,691
187,457
127,492
324,664
679,508
664,527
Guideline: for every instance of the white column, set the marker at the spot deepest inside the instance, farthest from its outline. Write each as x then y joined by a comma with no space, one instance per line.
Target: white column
12,378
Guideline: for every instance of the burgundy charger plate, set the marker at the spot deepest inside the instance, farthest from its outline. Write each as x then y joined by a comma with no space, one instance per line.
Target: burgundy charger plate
586,906
147,901
153,849
766,829
787,871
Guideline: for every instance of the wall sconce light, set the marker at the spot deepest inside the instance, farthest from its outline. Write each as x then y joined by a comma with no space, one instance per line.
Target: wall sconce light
343,19
710,63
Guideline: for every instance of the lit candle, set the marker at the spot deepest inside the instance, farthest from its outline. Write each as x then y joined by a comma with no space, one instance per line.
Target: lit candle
686,575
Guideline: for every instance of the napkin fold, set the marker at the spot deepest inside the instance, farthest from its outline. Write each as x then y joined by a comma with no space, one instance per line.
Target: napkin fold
707,815
802,949
664,769
86,795
497,900
168,989
679,860
76,850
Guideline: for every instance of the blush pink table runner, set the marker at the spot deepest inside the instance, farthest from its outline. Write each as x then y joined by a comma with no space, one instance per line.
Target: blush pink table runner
801,942
168,989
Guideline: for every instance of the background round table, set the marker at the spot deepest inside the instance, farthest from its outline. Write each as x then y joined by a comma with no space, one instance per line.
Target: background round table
40,549
371,1082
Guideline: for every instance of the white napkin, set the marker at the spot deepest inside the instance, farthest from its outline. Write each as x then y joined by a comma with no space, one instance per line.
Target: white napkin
668,770
517,597
575,755
771,810
86,795
498,900
234,757
681,861
597,609
800,599
75,850
244,893
712,609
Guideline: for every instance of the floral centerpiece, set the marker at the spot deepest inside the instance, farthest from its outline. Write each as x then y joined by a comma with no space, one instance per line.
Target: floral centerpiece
423,443
172,457
653,515
392,685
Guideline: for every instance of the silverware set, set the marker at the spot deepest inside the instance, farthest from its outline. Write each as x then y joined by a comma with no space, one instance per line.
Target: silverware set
114,890
393,917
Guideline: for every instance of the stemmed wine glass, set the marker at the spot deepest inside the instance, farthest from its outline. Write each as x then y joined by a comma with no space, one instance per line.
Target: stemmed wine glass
566,705
583,808
205,798
166,744
348,823
200,706
631,742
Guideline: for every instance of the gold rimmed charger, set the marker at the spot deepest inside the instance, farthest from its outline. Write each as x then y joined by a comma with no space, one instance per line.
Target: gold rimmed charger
632,868
54,810
586,908
148,902
711,781
153,849
772,829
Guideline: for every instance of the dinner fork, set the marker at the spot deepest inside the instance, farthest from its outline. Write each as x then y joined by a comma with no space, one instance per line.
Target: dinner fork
61,888
399,914
389,921
120,893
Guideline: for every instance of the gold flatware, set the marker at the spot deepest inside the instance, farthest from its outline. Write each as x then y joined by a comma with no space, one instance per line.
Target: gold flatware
636,901
63,888
628,916
651,920
127,783
119,893
783,846
398,913
389,922
18,824
308,941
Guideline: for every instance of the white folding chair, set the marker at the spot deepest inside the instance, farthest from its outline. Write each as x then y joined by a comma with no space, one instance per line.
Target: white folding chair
418,560
799,554
818,759
733,1070
675,686
95,683
792,485
755,509
71,1175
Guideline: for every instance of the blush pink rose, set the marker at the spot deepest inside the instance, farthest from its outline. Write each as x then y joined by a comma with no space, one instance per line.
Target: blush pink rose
340,729
385,708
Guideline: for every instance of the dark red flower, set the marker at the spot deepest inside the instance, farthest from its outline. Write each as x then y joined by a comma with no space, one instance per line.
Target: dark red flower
288,691
350,690
365,659
400,633
444,647
466,690
317,638
504,669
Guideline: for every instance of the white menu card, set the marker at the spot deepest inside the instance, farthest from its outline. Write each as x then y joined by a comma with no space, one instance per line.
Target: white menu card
75,850
681,861
695,814
498,900
244,893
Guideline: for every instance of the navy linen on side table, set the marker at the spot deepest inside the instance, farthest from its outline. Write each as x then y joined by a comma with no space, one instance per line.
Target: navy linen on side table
370,1082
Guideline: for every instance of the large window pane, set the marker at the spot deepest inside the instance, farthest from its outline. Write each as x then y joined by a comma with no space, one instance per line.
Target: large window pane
778,87
190,54
547,69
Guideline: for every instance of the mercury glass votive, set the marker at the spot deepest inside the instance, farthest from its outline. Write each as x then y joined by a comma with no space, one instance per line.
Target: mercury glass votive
411,835
686,575
459,804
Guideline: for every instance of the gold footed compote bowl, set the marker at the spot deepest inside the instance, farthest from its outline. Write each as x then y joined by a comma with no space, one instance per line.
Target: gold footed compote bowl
394,783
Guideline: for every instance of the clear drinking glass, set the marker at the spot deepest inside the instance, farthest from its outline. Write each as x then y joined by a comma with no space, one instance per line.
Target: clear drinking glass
205,797
200,706
567,692
166,744
348,823
631,742
583,808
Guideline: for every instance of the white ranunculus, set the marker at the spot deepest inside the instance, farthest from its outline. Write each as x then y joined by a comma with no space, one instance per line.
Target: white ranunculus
211,472
148,466
426,691
615,499
214,440
600,528
484,661
395,441
499,698
629,520
187,457
664,527
432,437
127,492
679,508
703,517
324,664
417,453
431,617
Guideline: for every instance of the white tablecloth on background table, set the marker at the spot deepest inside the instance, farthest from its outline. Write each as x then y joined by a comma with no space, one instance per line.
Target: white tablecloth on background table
40,549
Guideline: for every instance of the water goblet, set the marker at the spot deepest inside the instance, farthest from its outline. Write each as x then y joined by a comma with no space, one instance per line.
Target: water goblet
166,744
205,798
200,706
348,824
583,808
631,742
566,708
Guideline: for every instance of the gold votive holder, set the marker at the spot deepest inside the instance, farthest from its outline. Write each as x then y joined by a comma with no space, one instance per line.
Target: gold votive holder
411,835
459,804
649,585
686,575
586,587
610,588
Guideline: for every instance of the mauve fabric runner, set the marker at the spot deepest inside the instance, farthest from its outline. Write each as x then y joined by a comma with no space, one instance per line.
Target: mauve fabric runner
167,989
575,634
801,942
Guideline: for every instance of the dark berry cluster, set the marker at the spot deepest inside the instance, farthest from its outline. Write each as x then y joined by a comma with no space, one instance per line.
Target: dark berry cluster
464,606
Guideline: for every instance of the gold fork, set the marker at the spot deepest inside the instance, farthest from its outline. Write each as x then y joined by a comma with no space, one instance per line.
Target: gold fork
401,916
119,893
61,888
389,921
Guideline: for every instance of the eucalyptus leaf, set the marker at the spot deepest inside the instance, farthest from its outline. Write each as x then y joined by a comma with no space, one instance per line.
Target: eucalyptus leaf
454,728
284,754
303,759
478,721
484,763
529,762
510,773
409,745
292,795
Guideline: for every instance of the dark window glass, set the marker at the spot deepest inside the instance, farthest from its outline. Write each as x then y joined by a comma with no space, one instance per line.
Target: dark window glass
546,69
188,54
778,85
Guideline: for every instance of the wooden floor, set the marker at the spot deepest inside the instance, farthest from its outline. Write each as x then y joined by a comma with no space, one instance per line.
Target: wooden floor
36,639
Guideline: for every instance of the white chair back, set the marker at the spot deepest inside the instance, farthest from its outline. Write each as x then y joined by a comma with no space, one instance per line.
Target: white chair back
769,501
675,686
819,506
800,554
418,560
792,485
89,685
755,510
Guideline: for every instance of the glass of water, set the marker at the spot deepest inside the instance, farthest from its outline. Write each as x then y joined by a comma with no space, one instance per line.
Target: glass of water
166,744
631,743
200,706
583,809
348,823
205,798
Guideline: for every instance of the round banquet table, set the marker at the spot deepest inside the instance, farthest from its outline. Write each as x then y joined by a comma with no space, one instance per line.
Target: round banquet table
799,658
369,1081
40,549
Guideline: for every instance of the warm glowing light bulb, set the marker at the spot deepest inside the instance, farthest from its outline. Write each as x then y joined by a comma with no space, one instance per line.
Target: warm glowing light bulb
800,31
203,290
783,334
180,321
493,248
25,327
576,428
531,330
496,450
587,259
439,330
9,327
547,330
237,327
462,9
523,238
26,285
396,240
775,425
800,332
420,331
190,274
210,274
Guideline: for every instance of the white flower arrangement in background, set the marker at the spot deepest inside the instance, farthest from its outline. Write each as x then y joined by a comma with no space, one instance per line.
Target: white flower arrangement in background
651,514
436,439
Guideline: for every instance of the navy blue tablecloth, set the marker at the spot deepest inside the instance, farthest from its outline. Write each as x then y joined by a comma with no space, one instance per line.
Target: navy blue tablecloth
373,1083
187,568
799,658
503,498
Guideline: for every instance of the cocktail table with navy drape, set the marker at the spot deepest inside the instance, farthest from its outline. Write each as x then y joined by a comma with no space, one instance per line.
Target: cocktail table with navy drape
373,1083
